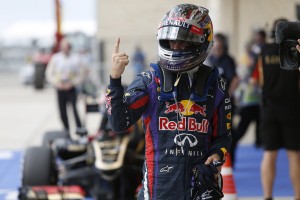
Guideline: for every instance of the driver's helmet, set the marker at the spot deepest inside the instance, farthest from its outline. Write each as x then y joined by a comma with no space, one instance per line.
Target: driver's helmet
190,23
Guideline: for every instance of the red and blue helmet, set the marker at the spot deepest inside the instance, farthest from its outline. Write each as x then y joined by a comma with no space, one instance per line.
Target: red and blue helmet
189,23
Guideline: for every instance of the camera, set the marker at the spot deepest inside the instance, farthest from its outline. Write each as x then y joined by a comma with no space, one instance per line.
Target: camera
286,35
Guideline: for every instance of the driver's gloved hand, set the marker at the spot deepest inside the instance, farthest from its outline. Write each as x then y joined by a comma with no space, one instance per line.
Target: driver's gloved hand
208,182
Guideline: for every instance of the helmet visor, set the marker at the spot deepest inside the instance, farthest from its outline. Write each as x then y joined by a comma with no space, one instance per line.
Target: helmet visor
179,33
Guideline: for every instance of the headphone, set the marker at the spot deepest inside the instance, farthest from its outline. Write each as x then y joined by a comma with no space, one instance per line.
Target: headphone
272,32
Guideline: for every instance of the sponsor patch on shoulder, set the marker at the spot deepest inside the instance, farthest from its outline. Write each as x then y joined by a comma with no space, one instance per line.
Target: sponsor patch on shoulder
145,74
222,83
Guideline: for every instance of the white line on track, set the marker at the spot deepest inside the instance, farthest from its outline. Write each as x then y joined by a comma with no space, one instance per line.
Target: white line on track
6,155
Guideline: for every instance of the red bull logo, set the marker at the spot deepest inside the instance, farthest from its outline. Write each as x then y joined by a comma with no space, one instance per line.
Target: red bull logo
186,107
197,109
176,107
186,124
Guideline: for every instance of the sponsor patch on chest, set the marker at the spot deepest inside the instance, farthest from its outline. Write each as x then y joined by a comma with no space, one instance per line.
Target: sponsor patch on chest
185,124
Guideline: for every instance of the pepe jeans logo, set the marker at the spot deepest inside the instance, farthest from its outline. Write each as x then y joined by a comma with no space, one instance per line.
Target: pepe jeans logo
181,139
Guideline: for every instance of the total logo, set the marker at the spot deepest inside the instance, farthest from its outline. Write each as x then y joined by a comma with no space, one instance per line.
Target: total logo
186,107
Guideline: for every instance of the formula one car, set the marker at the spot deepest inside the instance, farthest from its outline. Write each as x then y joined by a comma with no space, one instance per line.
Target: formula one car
104,166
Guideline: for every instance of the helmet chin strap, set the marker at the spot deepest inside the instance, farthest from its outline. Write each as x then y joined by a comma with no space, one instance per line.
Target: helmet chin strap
203,77
191,74
166,78
192,71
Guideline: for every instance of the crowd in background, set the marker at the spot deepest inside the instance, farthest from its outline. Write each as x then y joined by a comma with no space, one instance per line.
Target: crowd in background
267,95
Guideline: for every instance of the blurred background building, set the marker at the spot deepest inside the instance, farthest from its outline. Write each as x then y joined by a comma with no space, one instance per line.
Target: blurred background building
136,22
28,26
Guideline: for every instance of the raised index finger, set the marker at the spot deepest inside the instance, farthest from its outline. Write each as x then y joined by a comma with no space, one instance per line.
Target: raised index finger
116,49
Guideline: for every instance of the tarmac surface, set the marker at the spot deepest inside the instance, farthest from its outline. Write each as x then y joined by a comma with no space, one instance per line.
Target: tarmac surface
26,114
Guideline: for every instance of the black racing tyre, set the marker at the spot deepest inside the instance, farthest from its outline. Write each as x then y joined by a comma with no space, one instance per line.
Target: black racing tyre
39,167
50,136
105,190
39,75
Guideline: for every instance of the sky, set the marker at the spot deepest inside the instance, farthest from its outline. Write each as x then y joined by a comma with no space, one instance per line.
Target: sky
15,11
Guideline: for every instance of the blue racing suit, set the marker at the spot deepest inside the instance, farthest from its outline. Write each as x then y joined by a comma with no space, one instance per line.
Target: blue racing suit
181,130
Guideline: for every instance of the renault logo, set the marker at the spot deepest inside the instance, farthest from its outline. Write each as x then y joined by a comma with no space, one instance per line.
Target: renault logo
181,139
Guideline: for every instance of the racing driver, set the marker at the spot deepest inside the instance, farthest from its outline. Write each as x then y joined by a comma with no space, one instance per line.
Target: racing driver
184,105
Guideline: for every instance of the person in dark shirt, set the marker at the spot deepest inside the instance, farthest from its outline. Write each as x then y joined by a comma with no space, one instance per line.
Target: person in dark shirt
221,59
226,65
280,115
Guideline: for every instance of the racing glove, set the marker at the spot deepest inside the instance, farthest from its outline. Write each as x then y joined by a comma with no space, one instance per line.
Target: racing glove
206,185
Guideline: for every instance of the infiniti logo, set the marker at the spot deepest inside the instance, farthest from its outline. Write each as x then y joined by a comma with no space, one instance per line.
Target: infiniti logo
181,139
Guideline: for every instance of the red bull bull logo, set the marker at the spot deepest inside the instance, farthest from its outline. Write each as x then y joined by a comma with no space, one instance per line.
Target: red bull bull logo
197,109
175,107
186,107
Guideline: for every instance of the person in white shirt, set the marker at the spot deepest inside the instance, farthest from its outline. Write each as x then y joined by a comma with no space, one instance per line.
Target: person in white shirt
64,73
